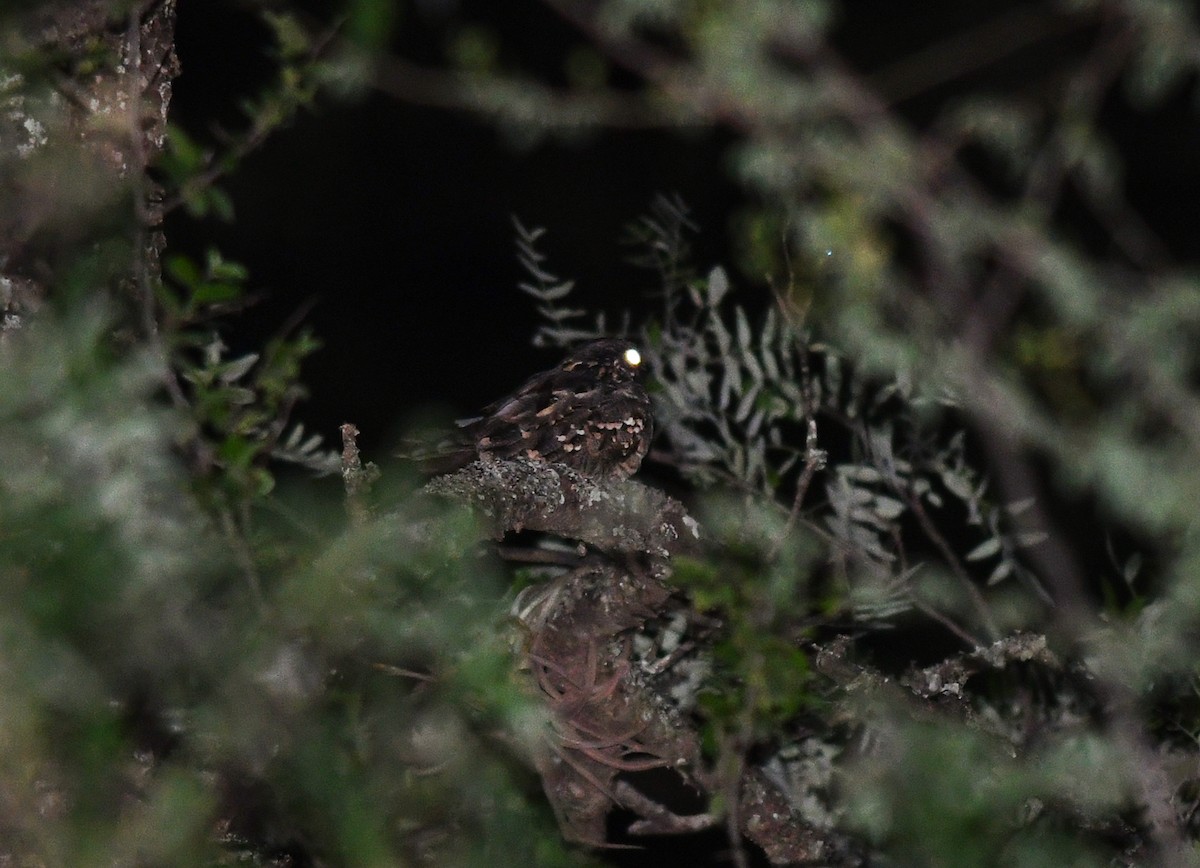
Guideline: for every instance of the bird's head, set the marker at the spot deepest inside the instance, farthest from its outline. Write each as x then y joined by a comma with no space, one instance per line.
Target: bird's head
613,359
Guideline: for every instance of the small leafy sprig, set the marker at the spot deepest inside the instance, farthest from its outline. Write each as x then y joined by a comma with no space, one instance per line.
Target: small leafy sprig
751,402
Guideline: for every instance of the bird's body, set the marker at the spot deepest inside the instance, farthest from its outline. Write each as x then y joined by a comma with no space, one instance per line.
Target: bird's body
589,413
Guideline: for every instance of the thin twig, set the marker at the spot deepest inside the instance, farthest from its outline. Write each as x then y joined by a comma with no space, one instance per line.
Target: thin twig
968,639
404,673
144,281
951,559
732,784
549,557
357,478
242,555
556,108
814,460
260,131
969,51
658,819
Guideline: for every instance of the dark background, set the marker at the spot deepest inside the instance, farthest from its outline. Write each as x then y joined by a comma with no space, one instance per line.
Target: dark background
395,219
398,220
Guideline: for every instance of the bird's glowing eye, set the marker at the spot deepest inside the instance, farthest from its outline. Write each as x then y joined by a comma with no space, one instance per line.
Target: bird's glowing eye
632,357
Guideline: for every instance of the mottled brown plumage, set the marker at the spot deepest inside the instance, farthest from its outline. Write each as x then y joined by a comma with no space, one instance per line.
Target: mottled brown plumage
589,413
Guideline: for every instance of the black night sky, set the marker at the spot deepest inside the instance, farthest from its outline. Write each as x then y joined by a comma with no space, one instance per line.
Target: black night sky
395,220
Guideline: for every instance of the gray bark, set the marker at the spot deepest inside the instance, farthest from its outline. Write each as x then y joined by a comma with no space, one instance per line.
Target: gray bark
84,92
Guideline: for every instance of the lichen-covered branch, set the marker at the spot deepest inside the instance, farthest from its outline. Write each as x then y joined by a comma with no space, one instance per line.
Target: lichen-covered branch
611,718
625,517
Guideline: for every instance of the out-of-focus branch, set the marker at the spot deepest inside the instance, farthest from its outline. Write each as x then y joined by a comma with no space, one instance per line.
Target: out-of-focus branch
971,50
519,100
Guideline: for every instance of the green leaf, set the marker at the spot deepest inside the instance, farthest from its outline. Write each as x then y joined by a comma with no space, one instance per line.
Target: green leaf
238,451
182,269
219,268
221,203
215,293
195,201
985,549
475,49
235,369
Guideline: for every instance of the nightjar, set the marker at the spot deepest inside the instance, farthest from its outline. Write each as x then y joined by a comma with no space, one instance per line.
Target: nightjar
589,413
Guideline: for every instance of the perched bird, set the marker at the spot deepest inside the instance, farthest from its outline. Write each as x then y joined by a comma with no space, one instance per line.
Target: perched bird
589,413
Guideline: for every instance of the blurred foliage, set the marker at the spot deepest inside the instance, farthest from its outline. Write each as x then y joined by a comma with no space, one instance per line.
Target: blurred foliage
197,669
977,360
345,700
970,342
758,678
